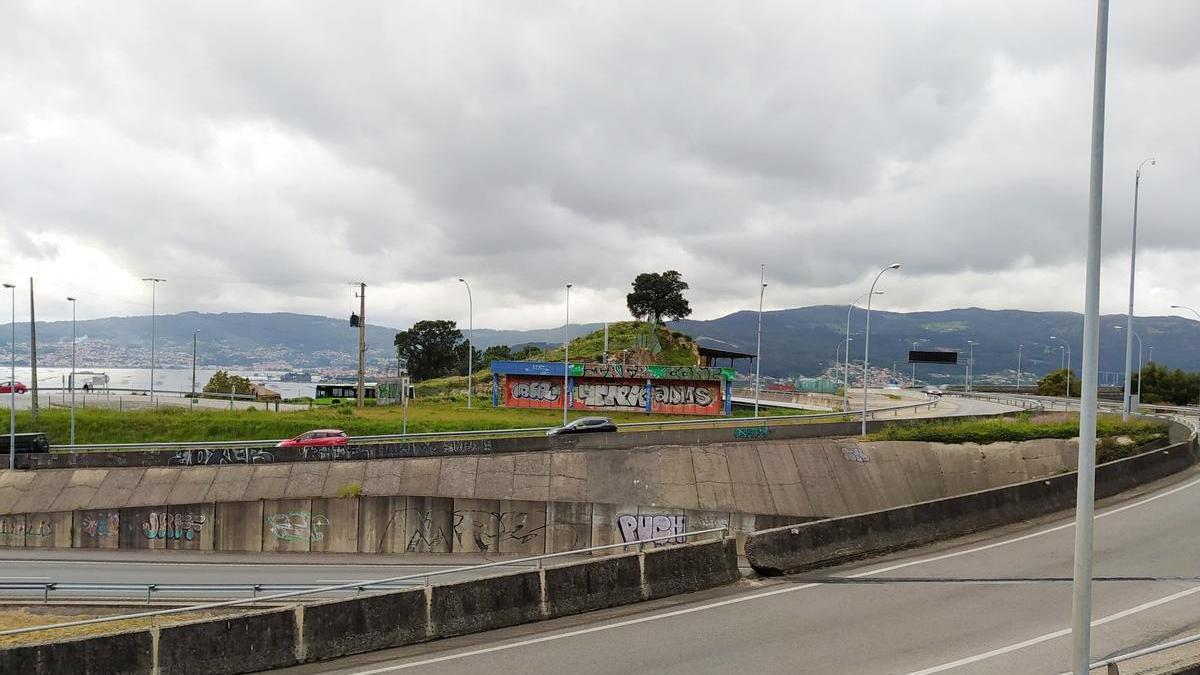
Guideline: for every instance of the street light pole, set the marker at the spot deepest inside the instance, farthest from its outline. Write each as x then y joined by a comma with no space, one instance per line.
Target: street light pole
867,343
72,301
566,352
913,378
971,365
153,292
1137,182
12,383
1065,348
195,332
1085,493
762,272
846,371
1019,368
1139,368
470,335
1193,311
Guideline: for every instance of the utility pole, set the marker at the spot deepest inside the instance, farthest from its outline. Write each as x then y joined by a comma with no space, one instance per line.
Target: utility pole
33,355
362,342
1085,492
762,288
153,310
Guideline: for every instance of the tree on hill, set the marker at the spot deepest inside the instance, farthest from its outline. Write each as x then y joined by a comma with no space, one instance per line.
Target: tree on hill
658,296
431,349
221,381
1160,385
495,353
1055,384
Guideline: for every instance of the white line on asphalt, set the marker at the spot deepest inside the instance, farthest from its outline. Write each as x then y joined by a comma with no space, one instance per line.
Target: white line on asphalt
801,587
1056,634
28,578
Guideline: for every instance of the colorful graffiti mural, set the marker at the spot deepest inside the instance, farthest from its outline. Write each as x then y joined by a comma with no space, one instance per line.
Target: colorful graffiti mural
298,526
640,527
178,526
686,390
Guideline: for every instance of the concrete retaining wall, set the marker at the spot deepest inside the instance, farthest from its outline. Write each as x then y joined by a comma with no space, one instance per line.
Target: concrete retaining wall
832,541
254,454
238,644
331,629
119,654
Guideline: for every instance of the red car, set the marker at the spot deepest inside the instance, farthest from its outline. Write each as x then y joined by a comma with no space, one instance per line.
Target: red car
9,386
316,438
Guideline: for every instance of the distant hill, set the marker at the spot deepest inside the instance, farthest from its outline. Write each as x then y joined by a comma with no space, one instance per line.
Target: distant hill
803,340
797,341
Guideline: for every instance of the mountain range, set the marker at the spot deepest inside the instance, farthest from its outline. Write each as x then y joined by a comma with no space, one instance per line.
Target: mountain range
800,341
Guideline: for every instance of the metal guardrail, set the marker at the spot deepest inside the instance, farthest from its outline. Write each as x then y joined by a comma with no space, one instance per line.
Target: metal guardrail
148,591
360,585
1112,664
716,423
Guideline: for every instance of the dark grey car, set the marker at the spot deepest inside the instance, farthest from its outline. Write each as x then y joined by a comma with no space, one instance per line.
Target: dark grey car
584,425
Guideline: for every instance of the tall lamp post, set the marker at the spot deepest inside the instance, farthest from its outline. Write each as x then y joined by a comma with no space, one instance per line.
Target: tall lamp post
1127,407
971,365
566,352
1019,368
195,333
12,383
470,334
837,358
867,343
846,372
1139,368
762,288
153,290
1193,311
1067,346
913,378
72,380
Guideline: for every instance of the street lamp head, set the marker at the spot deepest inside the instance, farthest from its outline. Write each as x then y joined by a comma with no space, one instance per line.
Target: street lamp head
9,286
1172,306
894,266
462,280
570,285
70,299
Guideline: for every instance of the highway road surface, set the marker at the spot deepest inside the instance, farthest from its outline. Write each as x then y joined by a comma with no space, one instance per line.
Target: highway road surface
200,572
998,602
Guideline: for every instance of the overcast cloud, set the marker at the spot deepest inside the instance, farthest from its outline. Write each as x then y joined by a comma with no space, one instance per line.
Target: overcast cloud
262,155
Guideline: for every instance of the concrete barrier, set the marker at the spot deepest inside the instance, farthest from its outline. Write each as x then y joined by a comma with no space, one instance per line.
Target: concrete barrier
342,627
485,604
593,584
238,644
823,543
120,653
674,570
331,629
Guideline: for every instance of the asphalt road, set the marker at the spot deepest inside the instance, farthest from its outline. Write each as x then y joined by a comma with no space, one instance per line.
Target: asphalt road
995,603
197,575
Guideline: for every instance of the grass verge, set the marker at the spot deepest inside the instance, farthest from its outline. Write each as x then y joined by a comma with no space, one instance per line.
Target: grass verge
1022,428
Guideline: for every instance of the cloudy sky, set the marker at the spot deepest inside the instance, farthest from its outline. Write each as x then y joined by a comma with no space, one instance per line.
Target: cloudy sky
262,155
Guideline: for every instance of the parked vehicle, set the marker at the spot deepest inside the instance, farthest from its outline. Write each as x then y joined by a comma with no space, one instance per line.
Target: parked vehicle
9,386
933,391
316,438
584,425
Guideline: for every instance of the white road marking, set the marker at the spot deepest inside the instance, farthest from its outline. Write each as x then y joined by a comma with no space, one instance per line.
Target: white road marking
801,587
1056,634
27,578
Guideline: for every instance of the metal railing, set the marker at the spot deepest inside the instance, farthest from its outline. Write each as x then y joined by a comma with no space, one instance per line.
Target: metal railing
360,585
76,590
1111,664
715,423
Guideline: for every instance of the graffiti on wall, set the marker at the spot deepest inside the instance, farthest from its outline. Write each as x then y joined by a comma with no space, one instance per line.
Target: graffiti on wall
100,525
598,395
206,457
335,452
535,390
11,527
684,394
428,535
648,526
653,372
298,526
178,526
751,432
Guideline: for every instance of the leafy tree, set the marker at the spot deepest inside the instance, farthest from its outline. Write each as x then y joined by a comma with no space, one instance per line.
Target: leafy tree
495,353
656,296
1162,386
431,349
529,351
221,381
1055,384
461,365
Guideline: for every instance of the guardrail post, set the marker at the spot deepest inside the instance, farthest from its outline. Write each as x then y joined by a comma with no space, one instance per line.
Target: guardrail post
1113,669
149,589
46,593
